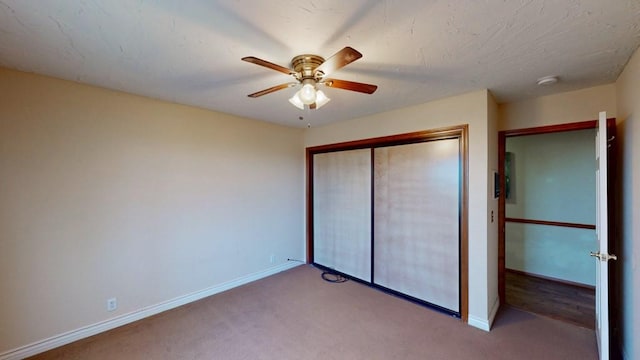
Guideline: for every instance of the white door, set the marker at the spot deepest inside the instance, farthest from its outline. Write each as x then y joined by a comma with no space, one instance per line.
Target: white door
602,255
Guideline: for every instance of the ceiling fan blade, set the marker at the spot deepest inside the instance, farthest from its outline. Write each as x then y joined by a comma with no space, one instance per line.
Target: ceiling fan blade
340,59
270,65
272,89
351,85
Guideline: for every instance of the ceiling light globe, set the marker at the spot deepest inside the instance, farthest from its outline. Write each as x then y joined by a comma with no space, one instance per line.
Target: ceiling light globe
308,94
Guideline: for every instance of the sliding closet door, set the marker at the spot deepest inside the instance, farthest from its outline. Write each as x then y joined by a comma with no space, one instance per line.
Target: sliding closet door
416,220
342,211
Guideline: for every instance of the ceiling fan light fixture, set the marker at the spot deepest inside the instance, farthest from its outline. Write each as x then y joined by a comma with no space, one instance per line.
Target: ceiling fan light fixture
308,92
310,70
321,99
295,101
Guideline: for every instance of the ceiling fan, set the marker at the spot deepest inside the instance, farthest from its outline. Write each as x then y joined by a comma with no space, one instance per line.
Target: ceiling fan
311,71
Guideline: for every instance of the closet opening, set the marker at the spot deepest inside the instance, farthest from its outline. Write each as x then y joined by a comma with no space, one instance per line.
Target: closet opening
391,212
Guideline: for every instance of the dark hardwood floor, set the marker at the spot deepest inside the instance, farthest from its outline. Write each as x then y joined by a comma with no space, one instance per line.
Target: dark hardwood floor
570,303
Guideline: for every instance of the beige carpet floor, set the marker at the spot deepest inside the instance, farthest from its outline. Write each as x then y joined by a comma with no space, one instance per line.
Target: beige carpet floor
297,315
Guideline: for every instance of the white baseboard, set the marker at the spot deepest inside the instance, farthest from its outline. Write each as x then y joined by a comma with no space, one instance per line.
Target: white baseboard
494,311
485,324
482,324
90,330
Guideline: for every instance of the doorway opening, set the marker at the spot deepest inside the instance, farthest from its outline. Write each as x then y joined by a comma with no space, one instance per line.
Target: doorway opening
547,220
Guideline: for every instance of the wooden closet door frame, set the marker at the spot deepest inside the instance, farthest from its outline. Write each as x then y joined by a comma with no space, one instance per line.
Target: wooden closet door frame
461,132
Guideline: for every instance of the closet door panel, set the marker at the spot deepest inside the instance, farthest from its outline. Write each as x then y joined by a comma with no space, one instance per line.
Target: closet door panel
416,220
342,211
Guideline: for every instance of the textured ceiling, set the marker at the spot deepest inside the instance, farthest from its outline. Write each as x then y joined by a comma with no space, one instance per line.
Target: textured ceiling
415,51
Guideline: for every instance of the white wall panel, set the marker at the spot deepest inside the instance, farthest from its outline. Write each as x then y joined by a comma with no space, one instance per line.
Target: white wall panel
552,251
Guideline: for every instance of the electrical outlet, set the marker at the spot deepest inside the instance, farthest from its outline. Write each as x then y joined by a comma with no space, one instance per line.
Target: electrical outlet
112,304
272,259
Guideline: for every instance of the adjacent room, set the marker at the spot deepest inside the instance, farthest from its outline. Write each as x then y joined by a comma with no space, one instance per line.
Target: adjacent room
550,224
317,179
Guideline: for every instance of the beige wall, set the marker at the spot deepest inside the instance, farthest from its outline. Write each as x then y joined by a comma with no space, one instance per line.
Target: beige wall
105,194
472,109
492,207
628,127
573,106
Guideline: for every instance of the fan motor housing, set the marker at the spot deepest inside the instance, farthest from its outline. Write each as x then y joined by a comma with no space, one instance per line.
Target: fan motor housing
306,64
